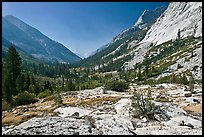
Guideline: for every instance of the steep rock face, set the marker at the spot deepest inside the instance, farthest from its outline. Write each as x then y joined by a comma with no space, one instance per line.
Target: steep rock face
149,16
34,42
186,16
182,17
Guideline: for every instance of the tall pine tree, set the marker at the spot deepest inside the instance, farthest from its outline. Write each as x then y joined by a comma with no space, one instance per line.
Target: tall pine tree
11,71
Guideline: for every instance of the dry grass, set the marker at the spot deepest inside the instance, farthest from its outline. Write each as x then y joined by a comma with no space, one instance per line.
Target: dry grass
49,98
11,119
46,103
37,109
91,101
194,109
162,100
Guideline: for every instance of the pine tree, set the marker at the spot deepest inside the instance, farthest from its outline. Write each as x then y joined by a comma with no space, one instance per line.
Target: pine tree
139,75
12,70
185,80
20,83
26,81
173,78
37,88
32,89
146,71
62,82
47,85
32,80
70,86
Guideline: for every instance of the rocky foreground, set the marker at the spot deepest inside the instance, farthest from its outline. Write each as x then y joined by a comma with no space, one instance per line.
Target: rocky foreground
99,112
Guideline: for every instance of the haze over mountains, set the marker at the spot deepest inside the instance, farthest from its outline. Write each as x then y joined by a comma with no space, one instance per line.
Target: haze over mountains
34,43
118,46
132,46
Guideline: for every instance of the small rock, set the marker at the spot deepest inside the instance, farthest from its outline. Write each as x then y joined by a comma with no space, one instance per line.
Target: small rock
100,132
181,123
15,112
65,105
12,126
98,118
144,119
4,113
76,133
141,117
105,91
139,126
89,129
162,117
187,94
192,100
195,100
189,125
161,96
75,114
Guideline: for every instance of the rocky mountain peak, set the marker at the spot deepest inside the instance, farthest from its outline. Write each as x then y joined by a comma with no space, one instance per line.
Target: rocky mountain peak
149,16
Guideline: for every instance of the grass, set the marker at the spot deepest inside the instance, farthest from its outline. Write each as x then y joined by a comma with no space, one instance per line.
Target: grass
49,98
186,45
91,101
162,100
11,119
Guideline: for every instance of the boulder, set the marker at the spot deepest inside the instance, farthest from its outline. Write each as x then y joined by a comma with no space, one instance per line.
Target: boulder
162,117
189,125
144,119
192,100
75,115
187,94
181,123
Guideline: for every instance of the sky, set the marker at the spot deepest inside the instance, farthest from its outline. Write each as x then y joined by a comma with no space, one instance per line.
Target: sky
82,27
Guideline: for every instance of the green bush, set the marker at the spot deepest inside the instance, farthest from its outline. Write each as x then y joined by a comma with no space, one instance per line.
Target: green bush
58,99
24,98
142,106
150,82
45,93
117,86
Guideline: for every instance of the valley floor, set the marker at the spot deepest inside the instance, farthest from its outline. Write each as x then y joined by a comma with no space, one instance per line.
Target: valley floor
100,112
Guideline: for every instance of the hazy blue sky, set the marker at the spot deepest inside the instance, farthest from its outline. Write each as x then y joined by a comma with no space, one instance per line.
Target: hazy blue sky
82,27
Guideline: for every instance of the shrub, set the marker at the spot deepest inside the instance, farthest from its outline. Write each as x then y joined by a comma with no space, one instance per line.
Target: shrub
58,99
143,106
5,105
191,84
150,82
45,93
24,98
117,86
